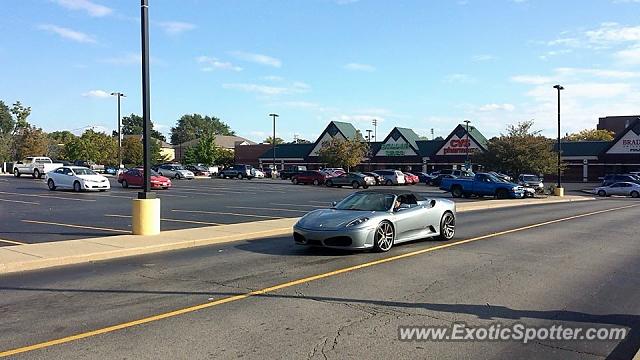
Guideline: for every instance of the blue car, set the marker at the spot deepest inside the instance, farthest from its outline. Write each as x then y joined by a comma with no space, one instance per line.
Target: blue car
482,184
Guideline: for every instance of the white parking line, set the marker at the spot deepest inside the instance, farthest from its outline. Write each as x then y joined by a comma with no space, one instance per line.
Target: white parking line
227,213
171,220
21,202
262,208
12,242
76,226
46,196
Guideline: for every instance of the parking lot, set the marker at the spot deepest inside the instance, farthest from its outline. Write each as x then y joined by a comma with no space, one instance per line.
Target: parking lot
30,213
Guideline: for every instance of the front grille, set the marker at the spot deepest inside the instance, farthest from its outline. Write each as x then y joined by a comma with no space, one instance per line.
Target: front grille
338,241
314,242
299,238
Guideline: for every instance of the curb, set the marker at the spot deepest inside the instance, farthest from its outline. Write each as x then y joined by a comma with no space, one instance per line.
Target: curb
28,257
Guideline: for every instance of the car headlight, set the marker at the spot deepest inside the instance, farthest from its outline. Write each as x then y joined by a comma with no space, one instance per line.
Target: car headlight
515,188
357,221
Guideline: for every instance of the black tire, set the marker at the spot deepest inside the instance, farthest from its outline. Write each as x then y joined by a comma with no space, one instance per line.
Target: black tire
239,176
466,195
355,185
16,173
329,183
316,182
634,194
388,182
36,174
51,185
103,190
447,226
365,186
77,187
178,176
384,237
294,181
502,194
125,184
456,192
602,193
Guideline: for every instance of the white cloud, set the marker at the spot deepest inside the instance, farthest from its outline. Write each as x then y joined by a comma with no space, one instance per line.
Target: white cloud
601,73
483,57
360,67
212,63
91,8
175,27
583,90
257,88
257,58
531,79
96,94
273,78
459,78
628,56
496,107
67,33
613,32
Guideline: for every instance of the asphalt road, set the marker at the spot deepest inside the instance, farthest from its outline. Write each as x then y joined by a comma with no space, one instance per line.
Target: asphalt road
567,269
30,213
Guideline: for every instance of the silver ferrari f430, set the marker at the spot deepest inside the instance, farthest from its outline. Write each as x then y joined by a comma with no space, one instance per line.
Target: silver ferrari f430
377,219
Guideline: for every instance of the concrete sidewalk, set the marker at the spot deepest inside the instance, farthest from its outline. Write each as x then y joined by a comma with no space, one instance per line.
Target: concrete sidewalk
44,255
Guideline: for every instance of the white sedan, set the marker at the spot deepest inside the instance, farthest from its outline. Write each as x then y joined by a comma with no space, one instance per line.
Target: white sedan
620,188
77,178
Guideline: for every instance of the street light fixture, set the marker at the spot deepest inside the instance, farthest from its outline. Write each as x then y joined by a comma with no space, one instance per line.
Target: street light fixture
375,128
559,88
273,140
466,159
119,95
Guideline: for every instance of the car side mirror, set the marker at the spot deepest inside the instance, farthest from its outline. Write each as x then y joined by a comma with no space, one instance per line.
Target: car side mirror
334,203
432,203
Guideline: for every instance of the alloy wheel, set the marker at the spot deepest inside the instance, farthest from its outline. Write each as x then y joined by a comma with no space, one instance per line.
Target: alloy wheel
384,237
447,226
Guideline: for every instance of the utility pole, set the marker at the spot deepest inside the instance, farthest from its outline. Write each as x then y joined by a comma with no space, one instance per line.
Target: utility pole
119,95
466,159
432,135
273,139
375,128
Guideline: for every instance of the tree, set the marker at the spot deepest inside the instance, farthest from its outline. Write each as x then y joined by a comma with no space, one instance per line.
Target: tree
133,152
31,141
224,157
21,114
61,137
269,140
133,125
57,142
6,147
194,126
343,153
521,150
93,146
590,135
7,124
204,152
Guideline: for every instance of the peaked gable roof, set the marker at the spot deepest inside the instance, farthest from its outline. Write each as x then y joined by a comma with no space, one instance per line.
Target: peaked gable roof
582,148
633,126
407,134
461,131
332,130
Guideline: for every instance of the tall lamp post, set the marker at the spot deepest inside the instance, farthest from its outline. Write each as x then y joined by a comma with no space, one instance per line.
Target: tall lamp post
119,95
559,189
375,128
466,159
369,154
273,139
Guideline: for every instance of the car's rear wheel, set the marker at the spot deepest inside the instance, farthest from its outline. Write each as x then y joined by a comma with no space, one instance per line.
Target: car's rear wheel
502,194
51,185
384,236
77,187
355,185
316,182
635,194
240,176
178,176
388,182
125,184
329,183
447,226
16,172
456,192
602,193
294,181
36,174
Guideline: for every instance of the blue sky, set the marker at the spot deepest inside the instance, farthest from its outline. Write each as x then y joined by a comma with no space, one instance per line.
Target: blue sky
418,64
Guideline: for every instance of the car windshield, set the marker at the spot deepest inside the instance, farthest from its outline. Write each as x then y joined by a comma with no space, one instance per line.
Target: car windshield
530,178
495,178
178,168
84,172
366,202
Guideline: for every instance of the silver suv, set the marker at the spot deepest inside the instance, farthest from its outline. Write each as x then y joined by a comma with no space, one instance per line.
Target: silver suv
391,177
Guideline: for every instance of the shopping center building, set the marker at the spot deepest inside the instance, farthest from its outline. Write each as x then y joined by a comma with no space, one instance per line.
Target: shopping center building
403,149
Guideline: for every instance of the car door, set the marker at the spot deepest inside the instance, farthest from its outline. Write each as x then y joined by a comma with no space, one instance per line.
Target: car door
410,218
625,189
56,176
483,185
134,177
66,178
615,189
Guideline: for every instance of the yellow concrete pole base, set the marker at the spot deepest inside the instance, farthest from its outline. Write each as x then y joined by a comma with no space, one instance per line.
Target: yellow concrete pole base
558,192
146,216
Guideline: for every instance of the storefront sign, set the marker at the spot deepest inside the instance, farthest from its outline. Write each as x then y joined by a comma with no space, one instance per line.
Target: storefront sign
396,149
458,146
628,144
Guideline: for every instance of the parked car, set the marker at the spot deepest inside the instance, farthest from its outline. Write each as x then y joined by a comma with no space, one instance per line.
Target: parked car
379,178
89,165
422,176
292,170
501,176
431,177
353,179
174,171
35,166
620,188
198,170
482,184
391,177
258,174
134,177
614,178
238,171
78,178
111,170
314,177
531,183
270,173
411,179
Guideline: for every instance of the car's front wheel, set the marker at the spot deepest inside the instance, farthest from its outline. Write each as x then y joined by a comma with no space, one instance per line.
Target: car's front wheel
502,194
51,185
355,185
125,184
239,176
384,236
316,182
16,173
77,187
329,183
294,181
447,226
456,192
388,182
602,193
178,176
635,194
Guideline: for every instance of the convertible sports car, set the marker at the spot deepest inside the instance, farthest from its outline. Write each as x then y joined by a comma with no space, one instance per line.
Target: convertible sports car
377,219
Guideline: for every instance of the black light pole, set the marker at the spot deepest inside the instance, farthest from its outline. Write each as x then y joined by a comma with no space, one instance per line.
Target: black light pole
273,140
466,159
119,95
375,128
146,104
559,87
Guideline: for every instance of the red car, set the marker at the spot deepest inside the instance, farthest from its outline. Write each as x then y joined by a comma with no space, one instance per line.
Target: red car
134,177
411,179
309,177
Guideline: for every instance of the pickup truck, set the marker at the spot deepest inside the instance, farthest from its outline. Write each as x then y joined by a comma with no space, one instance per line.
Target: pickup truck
482,184
89,165
35,166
